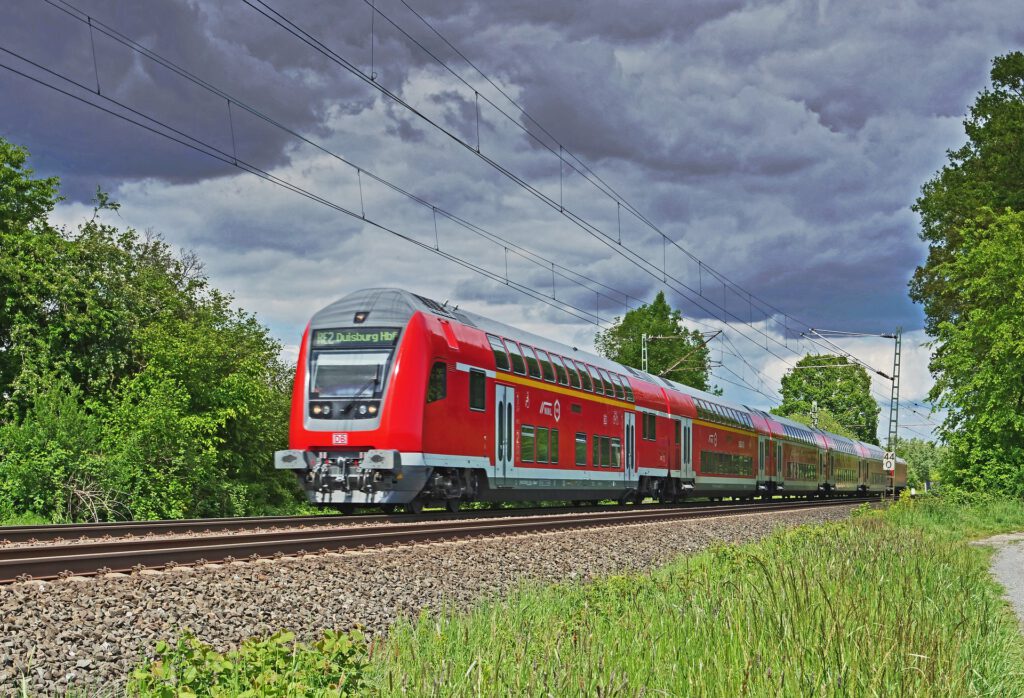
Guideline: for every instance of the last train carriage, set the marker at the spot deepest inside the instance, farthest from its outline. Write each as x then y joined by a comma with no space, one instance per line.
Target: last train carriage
400,400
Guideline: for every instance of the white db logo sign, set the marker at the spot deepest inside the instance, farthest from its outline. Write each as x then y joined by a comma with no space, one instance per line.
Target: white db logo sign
339,439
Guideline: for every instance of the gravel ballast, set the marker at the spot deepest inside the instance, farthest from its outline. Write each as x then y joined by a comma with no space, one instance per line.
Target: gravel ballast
88,634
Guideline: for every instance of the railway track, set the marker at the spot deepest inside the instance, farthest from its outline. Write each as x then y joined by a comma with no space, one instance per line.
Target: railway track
60,558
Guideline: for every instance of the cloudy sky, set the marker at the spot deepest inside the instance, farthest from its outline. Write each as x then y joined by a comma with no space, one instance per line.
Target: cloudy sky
781,143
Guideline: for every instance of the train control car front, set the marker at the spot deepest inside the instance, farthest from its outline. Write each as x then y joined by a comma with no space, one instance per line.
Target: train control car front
353,416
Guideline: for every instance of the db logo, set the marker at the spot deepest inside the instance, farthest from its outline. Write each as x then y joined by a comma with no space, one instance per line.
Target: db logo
339,439
713,439
551,409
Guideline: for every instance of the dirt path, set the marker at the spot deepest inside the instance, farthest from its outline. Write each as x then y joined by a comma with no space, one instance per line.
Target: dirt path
1008,568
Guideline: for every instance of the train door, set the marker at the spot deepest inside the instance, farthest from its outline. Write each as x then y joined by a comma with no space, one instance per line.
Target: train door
762,458
504,436
686,459
629,441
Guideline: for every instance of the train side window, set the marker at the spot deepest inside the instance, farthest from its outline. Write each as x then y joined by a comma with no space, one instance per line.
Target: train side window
585,377
532,366
609,389
596,455
626,387
581,448
563,375
437,387
598,385
606,451
554,446
650,430
574,377
545,366
617,384
515,353
477,390
500,353
527,442
616,453
542,445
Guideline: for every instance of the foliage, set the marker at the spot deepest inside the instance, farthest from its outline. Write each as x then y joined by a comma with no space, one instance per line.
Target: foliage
838,386
971,287
272,667
826,422
130,386
926,460
979,359
988,171
685,358
889,603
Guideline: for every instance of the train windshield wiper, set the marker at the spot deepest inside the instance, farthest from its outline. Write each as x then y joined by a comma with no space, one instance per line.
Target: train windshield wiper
372,383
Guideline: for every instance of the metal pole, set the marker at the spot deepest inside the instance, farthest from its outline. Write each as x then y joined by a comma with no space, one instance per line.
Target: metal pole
894,403
643,352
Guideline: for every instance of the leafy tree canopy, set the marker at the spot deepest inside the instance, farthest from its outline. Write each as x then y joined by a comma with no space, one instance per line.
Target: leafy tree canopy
684,357
838,386
988,171
978,360
926,460
129,386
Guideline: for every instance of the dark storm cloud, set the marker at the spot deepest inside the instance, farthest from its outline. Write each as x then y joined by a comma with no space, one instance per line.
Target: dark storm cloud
782,142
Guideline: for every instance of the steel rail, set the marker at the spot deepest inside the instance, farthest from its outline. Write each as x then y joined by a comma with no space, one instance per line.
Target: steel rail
126,555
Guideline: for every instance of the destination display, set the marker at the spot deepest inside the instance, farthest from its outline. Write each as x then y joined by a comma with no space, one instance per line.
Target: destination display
355,338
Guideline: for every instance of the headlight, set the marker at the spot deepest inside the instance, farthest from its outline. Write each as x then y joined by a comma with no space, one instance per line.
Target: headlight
372,409
326,408
316,408
362,409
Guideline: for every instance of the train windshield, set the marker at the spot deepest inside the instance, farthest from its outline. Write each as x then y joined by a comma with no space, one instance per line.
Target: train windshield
348,374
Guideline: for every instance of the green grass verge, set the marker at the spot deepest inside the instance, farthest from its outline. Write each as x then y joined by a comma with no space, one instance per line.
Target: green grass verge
891,602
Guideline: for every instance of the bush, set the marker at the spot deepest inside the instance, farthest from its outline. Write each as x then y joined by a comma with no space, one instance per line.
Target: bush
272,667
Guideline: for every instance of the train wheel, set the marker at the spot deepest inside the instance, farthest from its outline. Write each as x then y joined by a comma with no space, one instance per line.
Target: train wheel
414,507
453,505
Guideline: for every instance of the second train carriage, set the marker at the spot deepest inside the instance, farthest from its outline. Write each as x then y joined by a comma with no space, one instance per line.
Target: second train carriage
402,400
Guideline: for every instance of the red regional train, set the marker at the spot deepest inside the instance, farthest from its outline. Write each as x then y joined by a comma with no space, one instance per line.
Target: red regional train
402,401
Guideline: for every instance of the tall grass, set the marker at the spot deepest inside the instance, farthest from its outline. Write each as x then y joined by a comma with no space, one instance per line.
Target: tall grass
890,604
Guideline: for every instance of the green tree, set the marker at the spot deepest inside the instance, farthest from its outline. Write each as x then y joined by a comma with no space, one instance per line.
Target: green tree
926,460
970,286
684,357
988,171
978,359
838,386
129,385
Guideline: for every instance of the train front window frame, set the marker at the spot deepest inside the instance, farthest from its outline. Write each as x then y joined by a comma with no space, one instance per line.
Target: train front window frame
369,384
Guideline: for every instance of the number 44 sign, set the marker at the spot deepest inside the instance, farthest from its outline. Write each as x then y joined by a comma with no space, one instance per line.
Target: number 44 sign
889,462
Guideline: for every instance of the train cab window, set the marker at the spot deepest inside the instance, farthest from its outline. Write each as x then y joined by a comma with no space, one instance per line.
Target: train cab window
542,445
574,377
515,354
437,387
563,375
553,448
527,443
477,390
617,384
616,453
545,366
500,353
581,448
609,389
585,377
532,365
598,384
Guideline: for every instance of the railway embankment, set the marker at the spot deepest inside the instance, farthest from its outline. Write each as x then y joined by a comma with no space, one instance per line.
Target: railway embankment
89,634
